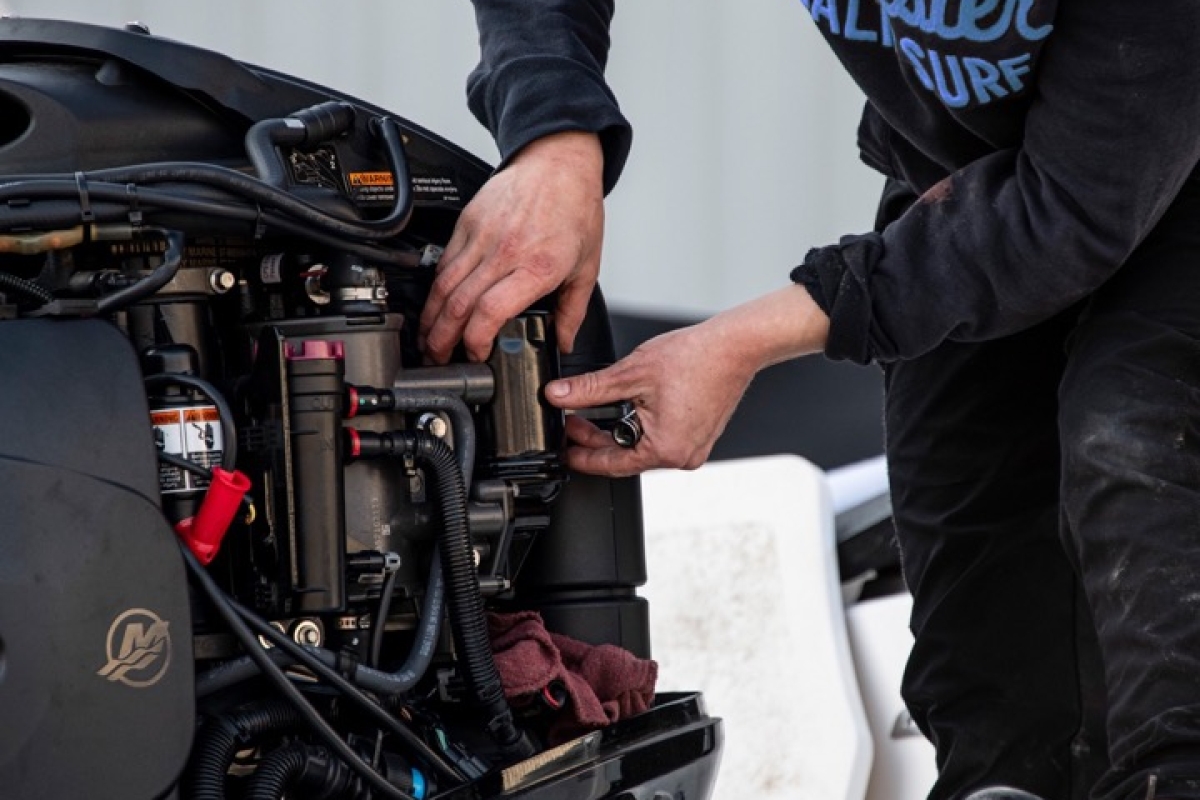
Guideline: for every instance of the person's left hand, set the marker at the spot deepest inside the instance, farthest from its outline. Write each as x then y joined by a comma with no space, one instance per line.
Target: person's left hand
684,389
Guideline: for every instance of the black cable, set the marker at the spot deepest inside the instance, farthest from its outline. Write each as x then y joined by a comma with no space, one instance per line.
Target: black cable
392,684
196,469
380,620
111,184
58,190
234,619
302,656
159,277
182,463
228,429
396,255
222,178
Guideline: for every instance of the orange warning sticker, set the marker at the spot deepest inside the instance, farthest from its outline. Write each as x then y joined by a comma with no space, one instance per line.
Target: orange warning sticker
164,417
201,414
371,179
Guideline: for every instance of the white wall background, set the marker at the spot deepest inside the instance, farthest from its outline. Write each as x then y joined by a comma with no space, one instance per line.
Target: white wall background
744,127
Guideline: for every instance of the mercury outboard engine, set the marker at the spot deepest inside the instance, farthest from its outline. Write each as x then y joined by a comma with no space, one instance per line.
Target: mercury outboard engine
250,545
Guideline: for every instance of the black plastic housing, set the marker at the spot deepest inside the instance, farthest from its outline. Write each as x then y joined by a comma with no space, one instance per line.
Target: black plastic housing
95,626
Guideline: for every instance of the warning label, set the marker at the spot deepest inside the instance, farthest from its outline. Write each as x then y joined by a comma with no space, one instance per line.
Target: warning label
377,187
193,433
358,179
372,187
436,188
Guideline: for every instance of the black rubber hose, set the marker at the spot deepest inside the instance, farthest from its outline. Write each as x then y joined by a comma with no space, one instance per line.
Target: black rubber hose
313,125
387,227
220,177
261,141
159,277
426,639
228,429
277,772
277,678
385,683
27,288
58,190
57,214
222,737
468,623
465,439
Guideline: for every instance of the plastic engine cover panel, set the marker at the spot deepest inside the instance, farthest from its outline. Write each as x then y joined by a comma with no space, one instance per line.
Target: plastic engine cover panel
95,633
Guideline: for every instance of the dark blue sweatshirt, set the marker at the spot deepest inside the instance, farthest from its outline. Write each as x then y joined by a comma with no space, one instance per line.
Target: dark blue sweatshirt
1046,137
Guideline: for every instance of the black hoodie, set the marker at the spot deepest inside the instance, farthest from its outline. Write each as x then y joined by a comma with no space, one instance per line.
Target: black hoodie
1047,139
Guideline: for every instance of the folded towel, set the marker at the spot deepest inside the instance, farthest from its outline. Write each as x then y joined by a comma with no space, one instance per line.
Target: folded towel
603,683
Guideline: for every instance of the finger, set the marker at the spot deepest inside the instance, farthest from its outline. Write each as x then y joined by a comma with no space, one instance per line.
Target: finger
612,461
441,326
496,304
462,254
459,310
572,307
586,433
590,389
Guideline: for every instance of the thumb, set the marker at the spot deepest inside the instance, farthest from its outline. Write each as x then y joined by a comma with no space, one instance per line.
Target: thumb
587,390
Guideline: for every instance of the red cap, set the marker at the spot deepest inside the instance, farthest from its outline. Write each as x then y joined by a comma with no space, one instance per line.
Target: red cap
204,532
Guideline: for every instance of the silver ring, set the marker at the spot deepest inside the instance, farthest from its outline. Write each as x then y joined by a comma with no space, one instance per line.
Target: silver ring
627,432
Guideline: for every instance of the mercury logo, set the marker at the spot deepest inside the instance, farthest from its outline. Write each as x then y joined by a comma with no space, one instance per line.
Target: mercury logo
139,649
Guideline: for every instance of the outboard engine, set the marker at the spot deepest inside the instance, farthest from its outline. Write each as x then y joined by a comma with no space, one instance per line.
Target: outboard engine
251,545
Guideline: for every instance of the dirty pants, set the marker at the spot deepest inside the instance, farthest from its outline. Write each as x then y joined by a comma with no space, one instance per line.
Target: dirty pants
1046,491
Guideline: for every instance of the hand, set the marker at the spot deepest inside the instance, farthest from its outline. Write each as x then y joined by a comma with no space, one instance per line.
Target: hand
686,384
684,390
534,227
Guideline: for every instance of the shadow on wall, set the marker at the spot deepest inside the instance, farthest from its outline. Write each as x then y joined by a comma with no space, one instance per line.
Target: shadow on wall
829,412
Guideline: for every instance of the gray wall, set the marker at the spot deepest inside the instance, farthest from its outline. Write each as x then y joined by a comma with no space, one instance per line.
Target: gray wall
744,126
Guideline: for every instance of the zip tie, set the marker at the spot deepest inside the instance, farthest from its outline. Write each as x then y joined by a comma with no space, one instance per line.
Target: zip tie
1152,787
260,227
135,210
346,664
85,203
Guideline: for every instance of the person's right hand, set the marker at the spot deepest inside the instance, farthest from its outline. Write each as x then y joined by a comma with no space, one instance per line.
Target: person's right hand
684,389
685,385
535,226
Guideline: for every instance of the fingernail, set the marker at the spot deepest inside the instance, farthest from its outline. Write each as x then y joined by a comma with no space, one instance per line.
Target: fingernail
558,389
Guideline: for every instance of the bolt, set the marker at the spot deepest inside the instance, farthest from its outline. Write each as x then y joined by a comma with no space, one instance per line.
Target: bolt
307,632
433,424
265,642
221,280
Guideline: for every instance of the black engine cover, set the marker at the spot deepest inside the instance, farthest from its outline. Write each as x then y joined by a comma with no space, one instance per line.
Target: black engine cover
96,668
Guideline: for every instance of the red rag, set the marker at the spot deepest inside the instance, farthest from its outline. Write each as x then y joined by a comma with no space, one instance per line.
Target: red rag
605,683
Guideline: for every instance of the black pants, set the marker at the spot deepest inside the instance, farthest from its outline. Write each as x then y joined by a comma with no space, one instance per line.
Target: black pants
1046,490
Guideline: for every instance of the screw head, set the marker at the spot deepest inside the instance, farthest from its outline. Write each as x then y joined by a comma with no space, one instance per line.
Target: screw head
307,632
222,280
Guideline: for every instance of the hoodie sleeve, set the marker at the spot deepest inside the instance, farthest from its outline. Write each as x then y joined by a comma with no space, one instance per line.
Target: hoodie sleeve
1019,235
541,71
